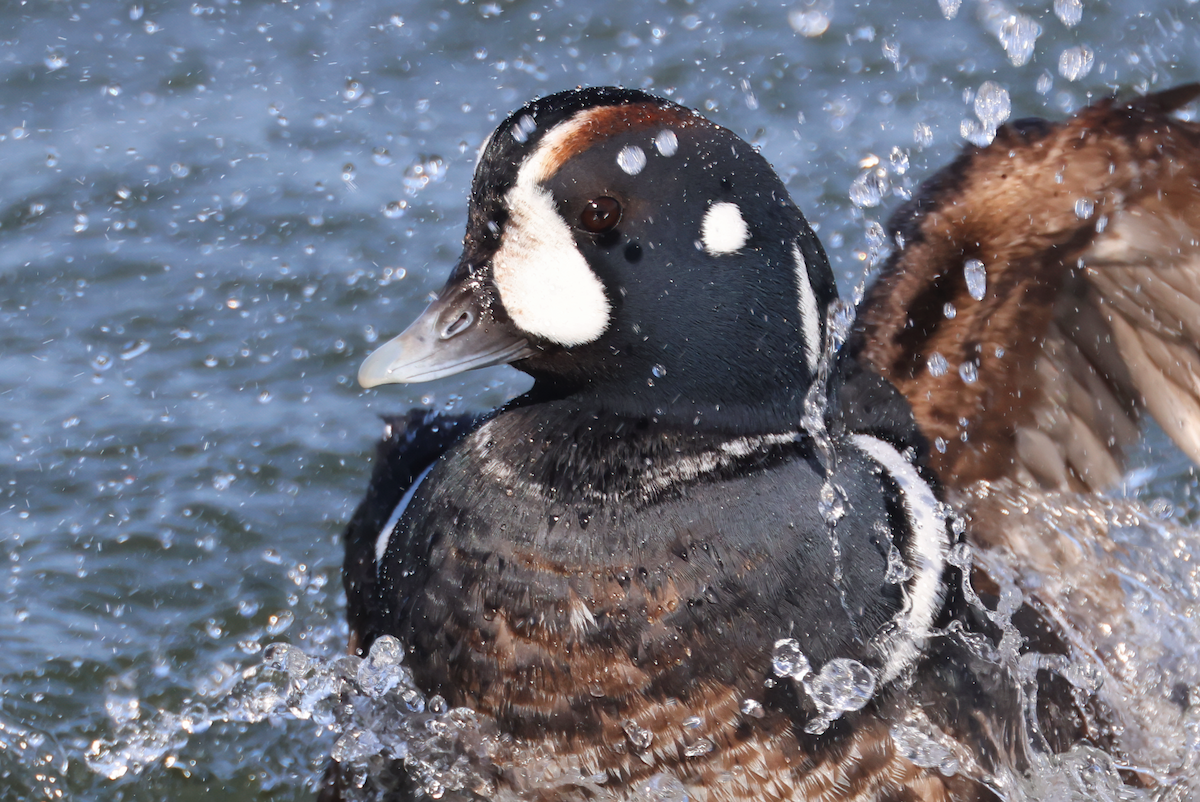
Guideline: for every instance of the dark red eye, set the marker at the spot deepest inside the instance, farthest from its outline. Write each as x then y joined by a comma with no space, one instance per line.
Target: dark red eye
600,215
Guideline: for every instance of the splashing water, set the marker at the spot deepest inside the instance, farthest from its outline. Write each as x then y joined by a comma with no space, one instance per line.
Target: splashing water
843,685
788,661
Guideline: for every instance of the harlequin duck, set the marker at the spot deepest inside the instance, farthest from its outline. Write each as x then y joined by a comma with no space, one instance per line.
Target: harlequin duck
709,545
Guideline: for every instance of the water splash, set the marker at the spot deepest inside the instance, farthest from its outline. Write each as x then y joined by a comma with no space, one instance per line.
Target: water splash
788,661
842,686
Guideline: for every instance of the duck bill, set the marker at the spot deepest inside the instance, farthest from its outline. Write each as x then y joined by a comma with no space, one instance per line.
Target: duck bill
454,334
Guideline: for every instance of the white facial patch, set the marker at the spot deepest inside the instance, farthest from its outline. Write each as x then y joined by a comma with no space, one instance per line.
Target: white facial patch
666,143
545,283
925,552
810,318
631,159
385,533
723,230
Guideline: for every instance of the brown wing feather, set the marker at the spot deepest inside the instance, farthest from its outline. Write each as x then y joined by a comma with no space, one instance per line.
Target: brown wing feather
1089,231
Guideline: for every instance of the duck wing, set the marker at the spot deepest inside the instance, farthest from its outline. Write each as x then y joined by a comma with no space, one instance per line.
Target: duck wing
410,445
1045,293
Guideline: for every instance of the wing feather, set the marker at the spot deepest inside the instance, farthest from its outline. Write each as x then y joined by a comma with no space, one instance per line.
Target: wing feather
1089,231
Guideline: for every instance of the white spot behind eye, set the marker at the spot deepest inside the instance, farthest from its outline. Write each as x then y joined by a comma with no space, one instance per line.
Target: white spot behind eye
810,320
723,230
666,142
631,159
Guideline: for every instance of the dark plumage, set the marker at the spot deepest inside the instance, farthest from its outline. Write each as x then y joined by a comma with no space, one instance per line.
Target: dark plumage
608,566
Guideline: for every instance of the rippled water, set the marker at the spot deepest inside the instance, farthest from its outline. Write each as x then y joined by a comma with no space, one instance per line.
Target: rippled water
211,211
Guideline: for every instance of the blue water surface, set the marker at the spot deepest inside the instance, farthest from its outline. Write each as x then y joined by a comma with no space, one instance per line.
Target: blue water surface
209,214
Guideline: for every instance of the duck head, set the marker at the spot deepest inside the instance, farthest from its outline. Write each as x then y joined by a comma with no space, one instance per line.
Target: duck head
622,247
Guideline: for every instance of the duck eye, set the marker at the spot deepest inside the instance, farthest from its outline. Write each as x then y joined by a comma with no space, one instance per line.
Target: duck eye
600,215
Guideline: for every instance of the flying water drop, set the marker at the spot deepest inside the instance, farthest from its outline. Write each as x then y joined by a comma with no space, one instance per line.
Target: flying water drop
976,276
788,661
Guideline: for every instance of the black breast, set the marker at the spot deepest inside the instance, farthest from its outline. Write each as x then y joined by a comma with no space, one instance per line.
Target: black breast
561,569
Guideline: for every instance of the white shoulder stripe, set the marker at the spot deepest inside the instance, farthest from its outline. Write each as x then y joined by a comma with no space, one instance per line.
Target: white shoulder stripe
385,533
925,552
810,316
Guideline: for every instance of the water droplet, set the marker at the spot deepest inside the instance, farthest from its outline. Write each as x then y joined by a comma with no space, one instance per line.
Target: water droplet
949,8
1069,12
381,671
976,275
222,481
639,738
701,747
922,750
992,104
869,188
922,135
937,365
422,172
661,787
195,718
523,128
1076,62
1084,208
898,570
788,661
968,371
395,209
831,503
812,21
134,350
666,143
949,311
54,60
842,685
353,90
752,708
631,159
1162,509
1017,34
960,556
355,746
280,622
102,361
